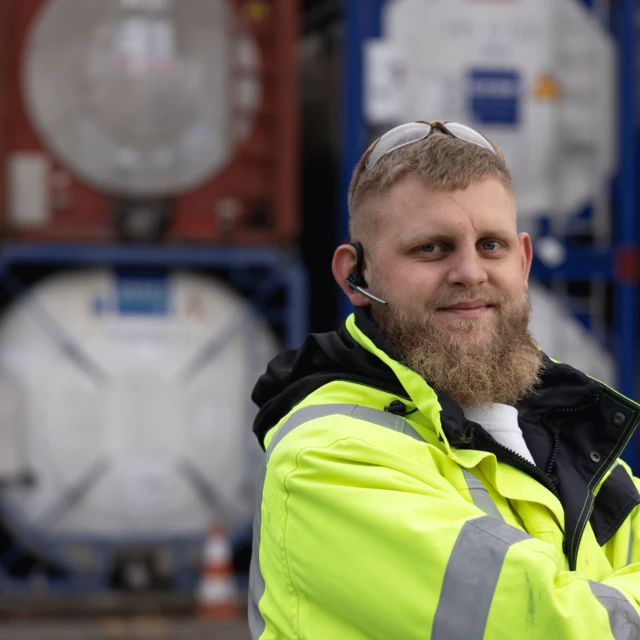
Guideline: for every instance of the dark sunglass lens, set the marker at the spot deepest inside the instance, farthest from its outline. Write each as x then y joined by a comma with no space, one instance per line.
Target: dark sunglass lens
399,137
468,134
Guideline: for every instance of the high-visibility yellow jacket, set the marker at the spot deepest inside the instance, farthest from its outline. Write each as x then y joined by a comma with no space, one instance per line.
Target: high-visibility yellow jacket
385,514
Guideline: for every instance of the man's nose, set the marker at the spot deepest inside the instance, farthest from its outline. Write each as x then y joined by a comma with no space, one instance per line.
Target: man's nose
467,269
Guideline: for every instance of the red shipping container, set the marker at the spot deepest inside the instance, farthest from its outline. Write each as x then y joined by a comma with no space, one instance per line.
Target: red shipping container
170,120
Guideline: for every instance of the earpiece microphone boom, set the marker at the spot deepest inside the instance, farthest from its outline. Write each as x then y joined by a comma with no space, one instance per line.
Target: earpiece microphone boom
352,285
356,281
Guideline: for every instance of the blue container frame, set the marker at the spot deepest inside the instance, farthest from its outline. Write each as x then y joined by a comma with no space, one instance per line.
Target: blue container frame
283,268
364,21
277,271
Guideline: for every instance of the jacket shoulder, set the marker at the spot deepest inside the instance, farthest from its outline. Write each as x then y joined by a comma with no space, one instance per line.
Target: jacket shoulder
346,410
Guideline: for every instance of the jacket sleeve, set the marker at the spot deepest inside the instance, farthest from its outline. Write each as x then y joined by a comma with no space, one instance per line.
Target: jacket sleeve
371,547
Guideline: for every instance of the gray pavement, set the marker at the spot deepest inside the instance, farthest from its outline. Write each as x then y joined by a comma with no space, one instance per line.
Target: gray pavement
117,628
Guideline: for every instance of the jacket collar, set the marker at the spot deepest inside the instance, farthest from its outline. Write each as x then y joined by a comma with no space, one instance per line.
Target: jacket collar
562,388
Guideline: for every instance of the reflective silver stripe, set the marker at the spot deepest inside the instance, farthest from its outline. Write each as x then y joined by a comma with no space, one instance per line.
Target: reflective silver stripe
381,418
480,495
623,618
256,579
471,578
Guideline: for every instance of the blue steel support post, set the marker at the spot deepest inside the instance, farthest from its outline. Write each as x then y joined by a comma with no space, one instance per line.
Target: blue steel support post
296,313
626,222
362,21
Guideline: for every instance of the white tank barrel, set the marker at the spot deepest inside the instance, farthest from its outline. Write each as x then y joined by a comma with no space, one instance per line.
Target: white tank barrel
142,98
128,399
536,76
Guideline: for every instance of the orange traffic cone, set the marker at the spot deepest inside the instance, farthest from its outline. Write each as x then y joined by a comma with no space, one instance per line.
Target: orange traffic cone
217,596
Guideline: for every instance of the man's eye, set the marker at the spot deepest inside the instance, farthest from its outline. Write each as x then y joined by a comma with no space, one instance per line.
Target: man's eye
431,248
491,245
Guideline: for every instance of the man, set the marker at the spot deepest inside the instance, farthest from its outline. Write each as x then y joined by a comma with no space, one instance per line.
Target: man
430,473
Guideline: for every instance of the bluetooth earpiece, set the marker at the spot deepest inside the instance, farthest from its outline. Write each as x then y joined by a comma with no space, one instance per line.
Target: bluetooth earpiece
356,281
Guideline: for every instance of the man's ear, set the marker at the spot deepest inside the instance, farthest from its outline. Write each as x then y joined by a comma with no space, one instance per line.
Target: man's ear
343,265
526,250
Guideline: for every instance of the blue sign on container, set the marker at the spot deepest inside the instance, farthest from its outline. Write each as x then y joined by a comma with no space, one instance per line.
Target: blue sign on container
143,294
494,96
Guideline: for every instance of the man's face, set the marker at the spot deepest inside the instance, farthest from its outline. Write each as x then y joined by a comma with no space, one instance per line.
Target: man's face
455,254
454,272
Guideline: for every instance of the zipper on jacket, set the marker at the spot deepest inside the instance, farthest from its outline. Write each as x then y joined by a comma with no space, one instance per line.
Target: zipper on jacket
515,459
544,477
555,434
593,398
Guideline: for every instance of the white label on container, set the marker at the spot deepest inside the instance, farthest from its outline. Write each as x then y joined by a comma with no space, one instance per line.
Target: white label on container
384,80
28,190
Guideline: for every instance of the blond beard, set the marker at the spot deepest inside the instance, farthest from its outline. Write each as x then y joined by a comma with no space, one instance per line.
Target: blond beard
459,358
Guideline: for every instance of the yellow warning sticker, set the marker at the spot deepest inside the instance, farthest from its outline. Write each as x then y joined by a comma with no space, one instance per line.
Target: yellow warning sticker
256,10
547,87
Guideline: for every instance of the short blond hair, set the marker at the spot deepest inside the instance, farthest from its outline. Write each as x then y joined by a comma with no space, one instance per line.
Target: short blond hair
442,161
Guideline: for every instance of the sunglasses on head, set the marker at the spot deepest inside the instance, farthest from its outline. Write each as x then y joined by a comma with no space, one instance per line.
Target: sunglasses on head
411,132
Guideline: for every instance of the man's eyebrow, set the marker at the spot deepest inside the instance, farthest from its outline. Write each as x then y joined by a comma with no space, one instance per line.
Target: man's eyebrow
502,234
426,237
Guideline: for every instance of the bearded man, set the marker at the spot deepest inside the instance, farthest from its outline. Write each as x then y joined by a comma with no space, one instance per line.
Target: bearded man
430,472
